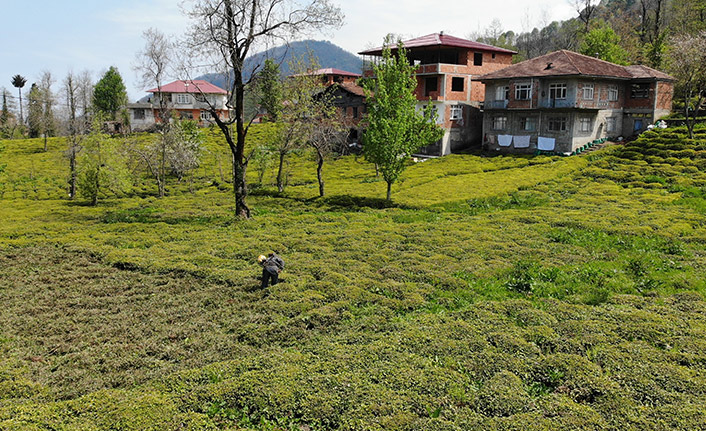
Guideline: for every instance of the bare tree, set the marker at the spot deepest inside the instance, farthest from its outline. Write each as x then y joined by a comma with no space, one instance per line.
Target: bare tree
328,135
71,92
295,125
153,63
687,61
85,96
227,32
48,123
178,148
586,10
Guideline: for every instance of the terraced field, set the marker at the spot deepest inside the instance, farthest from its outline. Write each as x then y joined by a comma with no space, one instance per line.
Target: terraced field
493,293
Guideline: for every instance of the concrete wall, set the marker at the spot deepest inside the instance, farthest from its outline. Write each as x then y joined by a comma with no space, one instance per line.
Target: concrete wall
566,141
139,125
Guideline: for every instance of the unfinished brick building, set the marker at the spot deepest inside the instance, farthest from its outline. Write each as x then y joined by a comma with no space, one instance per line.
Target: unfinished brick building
447,72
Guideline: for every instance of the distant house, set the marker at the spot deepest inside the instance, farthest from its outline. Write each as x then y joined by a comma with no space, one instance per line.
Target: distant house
448,68
563,100
348,97
185,99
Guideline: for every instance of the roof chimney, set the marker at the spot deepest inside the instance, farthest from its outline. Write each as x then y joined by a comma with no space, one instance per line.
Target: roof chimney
441,33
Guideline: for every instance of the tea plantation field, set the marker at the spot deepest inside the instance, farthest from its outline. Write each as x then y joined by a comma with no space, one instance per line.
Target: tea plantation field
493,293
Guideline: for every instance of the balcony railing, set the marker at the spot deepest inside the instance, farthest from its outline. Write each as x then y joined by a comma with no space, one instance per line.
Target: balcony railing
557,103
496,104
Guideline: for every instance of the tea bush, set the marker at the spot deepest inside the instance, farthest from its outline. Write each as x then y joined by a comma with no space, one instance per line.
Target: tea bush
493,293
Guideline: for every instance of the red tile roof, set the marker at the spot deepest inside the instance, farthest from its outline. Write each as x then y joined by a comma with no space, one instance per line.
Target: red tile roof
640,71
441,40
354,89
561,63
190,86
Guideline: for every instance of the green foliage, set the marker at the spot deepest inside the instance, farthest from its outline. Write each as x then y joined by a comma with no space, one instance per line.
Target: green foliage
395,128
604,43
34,112
270,89
110,94
101,166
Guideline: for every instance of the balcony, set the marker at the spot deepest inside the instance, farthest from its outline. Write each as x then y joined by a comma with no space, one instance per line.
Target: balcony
496,104
557,103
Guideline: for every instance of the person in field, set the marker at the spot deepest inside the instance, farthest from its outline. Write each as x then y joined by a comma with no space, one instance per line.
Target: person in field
272,265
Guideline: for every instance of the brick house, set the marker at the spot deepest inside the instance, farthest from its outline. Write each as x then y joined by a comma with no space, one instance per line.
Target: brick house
562,101
187,99
448,68
348,97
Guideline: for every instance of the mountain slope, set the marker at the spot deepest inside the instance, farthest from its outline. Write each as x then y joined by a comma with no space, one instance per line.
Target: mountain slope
325,53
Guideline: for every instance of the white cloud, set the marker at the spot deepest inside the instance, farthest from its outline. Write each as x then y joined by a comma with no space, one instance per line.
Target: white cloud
368,21
164,15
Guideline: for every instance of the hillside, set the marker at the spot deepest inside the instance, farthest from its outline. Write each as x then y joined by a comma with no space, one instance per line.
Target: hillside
494,293
326,53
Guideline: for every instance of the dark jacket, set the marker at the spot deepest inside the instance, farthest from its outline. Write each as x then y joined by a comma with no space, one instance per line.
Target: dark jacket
273,264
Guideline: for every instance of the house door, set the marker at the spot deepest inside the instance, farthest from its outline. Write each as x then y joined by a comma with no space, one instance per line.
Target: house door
637,126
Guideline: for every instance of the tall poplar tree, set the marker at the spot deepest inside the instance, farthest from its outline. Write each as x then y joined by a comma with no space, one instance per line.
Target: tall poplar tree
395,128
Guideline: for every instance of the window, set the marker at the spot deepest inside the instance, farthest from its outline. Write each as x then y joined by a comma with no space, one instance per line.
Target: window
528,124
588,91
431,84
457,83
499,123
355,112
639,91
205,116
557,91
610,124
477,58
556,124
585,124
523,91
139,114
183,99
612,93
186,115
502,92
456,112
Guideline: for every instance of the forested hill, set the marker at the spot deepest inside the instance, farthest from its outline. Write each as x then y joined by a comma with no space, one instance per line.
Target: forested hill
325,53
621,31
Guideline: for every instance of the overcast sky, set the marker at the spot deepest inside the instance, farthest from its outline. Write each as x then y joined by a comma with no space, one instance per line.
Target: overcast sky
93,35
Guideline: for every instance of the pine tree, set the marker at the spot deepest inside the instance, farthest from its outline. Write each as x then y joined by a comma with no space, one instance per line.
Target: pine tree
4,117
34,111
110,94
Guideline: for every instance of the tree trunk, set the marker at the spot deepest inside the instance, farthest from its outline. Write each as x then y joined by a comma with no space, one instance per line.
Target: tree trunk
72,166
319,173
240,188
689,122
94,198
21,117
161,176
45,142
280,173
389,190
